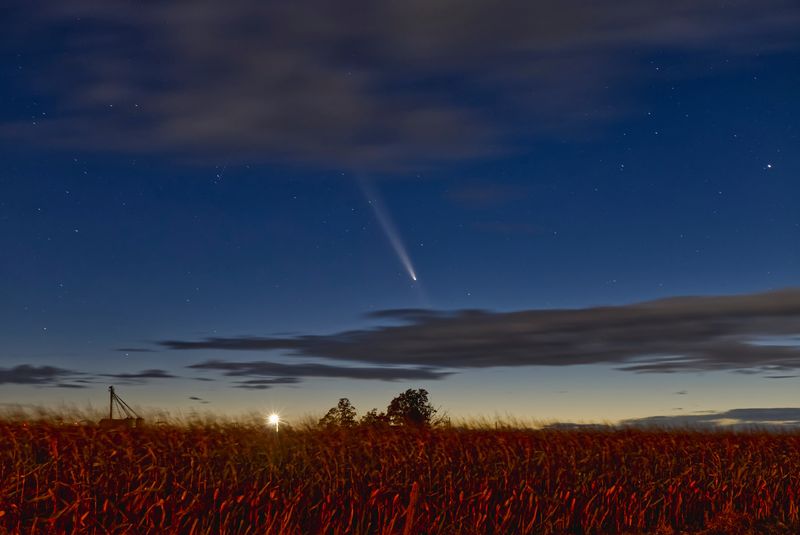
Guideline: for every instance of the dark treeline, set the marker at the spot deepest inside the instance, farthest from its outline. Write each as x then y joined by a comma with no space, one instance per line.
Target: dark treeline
409,408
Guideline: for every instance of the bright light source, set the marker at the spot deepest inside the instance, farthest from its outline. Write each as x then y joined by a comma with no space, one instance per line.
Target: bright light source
274,419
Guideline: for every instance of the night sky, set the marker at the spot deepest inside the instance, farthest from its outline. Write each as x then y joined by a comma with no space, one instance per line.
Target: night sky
223,206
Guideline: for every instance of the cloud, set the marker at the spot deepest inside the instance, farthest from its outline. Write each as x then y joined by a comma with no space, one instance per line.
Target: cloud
263,384
145,374
403,314
573,426
243,343
290,373
369,85
682,334
134,350
25,374
734,418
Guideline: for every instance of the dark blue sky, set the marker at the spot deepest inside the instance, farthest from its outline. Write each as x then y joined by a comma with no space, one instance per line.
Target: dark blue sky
195,174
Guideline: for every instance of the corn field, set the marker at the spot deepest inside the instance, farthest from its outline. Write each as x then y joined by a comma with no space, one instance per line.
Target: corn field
231,478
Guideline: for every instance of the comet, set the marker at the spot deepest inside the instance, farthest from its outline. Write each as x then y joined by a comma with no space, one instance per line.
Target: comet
389,229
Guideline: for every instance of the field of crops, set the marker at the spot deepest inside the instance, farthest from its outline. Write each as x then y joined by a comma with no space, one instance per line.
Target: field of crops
246,479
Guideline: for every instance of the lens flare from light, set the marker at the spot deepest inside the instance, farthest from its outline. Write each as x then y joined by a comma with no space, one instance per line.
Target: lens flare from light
274,419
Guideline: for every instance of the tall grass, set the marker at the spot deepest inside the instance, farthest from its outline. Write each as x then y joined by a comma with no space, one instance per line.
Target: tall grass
218,477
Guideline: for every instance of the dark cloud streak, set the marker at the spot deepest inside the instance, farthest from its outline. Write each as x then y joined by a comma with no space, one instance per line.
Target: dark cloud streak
26,374
145,374
684,334
263,384
140,377
735,418
289,373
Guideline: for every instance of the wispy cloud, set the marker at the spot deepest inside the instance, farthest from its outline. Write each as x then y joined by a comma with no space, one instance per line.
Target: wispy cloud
145,374
263,384
378,85
290,373
682,334
748,417
26,374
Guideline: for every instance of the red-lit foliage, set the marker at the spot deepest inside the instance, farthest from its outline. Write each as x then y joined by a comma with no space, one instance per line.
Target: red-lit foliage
240,479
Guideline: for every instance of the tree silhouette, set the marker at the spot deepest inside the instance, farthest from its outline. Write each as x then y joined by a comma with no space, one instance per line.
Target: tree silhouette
374,418
342,415
411,408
